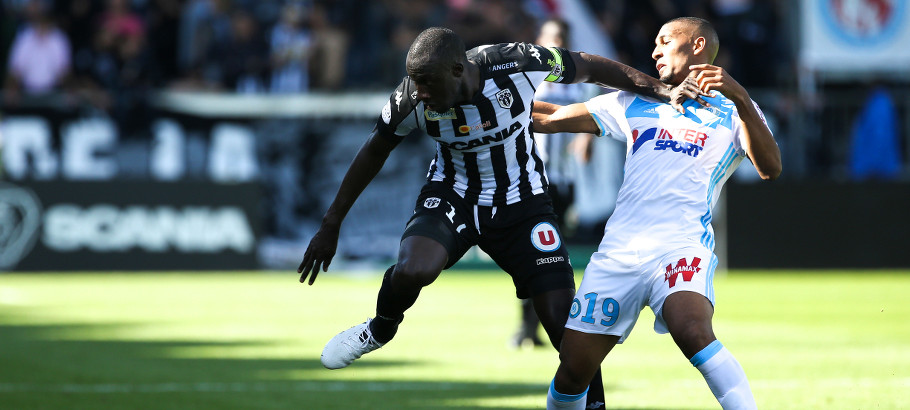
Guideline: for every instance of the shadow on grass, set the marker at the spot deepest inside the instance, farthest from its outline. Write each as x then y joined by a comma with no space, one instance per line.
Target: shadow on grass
47,366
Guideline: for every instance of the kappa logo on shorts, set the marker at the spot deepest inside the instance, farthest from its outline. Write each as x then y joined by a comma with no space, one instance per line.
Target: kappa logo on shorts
545,237
687,270
431,203
552,259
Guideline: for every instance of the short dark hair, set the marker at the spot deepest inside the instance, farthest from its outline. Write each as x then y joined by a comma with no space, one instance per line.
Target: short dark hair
702,28
435,49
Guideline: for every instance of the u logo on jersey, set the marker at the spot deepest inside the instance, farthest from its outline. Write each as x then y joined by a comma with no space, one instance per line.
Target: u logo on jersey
545,237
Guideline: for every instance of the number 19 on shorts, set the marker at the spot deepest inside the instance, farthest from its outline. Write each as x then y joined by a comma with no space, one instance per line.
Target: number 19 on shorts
609,308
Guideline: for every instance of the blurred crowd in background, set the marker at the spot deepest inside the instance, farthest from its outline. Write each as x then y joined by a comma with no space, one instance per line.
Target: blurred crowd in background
106,52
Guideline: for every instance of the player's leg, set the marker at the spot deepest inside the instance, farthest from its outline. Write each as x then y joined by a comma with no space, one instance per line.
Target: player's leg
525,241
553,310
682,293
580,357
431,242
420,261
688,316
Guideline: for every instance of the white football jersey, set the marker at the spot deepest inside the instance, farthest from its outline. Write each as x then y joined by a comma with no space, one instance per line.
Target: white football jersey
675,167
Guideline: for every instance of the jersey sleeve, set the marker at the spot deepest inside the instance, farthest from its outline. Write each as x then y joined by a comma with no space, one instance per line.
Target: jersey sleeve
607,110
397,118
540,63
560,64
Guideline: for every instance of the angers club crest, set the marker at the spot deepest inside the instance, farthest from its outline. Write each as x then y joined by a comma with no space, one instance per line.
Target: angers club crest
431,203
504,97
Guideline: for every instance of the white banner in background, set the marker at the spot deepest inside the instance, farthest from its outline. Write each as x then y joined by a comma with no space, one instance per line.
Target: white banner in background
855,36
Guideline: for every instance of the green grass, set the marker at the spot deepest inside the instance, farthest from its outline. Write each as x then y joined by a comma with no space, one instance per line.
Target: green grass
808,340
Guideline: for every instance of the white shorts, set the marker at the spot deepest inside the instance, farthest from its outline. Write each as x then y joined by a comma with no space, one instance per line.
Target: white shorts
613,293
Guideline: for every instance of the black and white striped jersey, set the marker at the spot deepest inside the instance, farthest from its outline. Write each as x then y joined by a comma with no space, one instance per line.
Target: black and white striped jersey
485,150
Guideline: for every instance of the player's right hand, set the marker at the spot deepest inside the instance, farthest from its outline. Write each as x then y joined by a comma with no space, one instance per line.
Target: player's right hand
318,253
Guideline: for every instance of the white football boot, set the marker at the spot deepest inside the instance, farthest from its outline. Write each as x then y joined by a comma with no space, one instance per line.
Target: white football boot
348,346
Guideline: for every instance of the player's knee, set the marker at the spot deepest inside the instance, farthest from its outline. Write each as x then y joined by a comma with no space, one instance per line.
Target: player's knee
414,274
692,335
570,381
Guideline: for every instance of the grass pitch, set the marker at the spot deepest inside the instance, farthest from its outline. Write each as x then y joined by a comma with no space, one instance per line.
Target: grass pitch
808,340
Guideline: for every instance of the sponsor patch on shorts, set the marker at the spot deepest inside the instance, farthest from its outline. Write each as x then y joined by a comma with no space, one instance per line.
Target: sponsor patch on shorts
545,237
552,259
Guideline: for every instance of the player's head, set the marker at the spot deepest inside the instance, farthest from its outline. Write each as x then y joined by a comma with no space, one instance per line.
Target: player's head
554,33
436,64
682,42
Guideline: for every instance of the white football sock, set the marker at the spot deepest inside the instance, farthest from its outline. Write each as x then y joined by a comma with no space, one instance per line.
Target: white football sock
725,377
557,400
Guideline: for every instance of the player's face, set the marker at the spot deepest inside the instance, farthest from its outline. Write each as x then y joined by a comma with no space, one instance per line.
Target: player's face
438,91
673,51
550,35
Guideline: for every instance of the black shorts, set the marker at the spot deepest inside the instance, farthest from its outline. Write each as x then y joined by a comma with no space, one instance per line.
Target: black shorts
522,238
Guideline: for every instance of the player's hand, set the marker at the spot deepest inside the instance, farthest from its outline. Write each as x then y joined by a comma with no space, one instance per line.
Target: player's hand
687,90
318,253
582,147
713,78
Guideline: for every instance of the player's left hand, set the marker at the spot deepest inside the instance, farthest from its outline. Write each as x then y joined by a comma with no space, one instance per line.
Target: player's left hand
713,78
687,90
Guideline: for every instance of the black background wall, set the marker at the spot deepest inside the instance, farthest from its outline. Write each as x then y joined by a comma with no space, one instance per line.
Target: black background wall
818,225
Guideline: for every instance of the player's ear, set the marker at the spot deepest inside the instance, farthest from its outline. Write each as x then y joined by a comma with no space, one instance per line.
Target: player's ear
457,70
699,46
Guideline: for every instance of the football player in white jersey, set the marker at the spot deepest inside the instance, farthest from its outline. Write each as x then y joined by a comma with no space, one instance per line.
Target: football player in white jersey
657,248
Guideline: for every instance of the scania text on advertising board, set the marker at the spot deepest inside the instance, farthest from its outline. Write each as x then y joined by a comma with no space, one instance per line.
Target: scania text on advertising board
109,228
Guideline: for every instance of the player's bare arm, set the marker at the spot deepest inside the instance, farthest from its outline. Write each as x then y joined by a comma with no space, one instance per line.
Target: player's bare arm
551,118
363,169
592,68
758,141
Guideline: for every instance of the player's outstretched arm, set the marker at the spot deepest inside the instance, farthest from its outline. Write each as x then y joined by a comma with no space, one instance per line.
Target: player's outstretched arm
551,118
758,141
592,68
363,169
